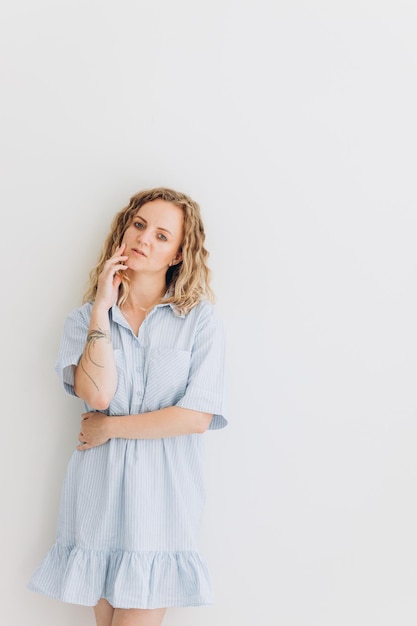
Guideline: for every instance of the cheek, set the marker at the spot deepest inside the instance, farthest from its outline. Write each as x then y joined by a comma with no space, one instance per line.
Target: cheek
129,233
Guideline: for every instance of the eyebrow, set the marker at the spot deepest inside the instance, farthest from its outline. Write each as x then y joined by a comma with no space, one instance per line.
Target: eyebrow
158,227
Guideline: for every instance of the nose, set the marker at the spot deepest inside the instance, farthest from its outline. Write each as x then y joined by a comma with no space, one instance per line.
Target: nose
144,237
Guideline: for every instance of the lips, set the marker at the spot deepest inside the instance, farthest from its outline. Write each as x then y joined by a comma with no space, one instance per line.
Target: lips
138,252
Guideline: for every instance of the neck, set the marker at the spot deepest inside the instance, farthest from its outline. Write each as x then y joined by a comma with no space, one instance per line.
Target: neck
141,299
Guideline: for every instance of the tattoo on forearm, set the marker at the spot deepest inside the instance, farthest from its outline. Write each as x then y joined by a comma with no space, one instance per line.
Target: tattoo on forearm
88,375
92,337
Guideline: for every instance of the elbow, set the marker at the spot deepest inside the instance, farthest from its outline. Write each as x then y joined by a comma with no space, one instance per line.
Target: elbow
97,401
101,403
97,395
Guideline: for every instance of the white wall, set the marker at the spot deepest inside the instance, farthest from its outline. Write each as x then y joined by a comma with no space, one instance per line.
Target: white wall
293,123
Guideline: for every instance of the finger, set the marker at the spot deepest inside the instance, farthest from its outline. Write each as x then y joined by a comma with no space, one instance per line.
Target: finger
118,267
118,253
112,270
113,265
116,258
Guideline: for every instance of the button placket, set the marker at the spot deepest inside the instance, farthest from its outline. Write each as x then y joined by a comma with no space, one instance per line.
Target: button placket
137,395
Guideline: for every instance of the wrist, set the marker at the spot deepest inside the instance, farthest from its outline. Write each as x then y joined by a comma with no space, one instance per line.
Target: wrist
100,310
99,319
113,430
107,428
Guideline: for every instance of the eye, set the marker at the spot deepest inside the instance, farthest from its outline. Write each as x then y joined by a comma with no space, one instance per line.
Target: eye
162,237
138,225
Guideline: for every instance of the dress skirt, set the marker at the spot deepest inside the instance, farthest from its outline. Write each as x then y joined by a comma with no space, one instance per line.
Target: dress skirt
128,527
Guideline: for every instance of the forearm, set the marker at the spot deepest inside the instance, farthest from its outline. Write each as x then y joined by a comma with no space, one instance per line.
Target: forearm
95,378
172,421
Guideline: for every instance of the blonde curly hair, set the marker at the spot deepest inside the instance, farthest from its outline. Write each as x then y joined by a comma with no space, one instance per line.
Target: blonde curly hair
188,282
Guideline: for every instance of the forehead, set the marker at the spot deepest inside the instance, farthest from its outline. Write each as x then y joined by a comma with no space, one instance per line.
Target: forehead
162,214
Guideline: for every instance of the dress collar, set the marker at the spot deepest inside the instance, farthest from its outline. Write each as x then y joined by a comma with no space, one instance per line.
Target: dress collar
119,318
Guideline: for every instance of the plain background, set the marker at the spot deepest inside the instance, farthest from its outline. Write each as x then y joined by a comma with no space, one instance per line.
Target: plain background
293,124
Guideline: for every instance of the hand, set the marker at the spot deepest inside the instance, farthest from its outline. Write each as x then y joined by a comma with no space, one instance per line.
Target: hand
109,280
94,430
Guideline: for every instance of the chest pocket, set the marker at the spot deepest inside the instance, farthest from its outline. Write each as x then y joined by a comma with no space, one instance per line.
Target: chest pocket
166,377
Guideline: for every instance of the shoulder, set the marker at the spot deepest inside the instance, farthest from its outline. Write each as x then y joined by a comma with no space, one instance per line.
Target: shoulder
203,309
205,314
81,314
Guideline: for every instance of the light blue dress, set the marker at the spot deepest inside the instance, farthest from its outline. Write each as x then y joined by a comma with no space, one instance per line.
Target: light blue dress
131,509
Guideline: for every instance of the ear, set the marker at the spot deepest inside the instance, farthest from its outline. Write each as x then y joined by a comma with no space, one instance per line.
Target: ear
177,258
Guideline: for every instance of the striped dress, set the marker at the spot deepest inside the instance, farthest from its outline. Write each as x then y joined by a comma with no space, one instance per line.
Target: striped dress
131,509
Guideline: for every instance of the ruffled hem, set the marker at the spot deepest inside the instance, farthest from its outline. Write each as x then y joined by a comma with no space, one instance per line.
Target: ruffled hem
128,580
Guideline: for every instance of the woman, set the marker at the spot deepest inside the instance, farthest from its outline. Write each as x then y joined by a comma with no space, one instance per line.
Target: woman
145,353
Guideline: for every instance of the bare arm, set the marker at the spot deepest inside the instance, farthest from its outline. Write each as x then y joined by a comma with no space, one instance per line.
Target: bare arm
172,421
95,377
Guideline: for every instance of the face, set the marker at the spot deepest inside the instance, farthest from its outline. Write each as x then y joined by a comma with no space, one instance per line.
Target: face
153,238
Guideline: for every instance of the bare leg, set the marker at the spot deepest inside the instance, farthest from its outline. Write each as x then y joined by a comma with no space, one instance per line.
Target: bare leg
103,612
137,617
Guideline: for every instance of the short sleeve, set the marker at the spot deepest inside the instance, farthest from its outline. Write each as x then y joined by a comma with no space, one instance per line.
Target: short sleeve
205,389
72,345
